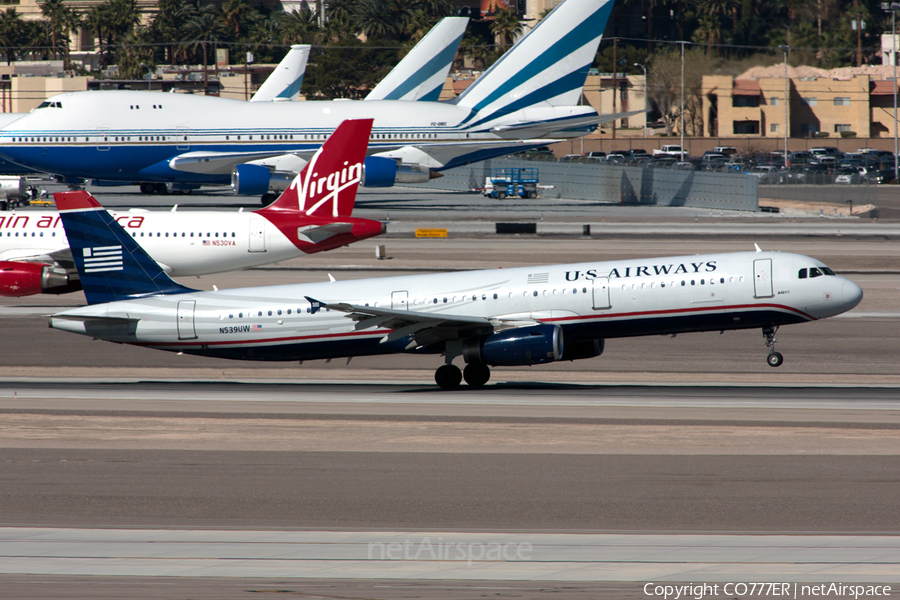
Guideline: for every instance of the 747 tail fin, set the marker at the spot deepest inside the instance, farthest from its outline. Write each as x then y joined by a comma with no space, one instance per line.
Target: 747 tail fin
327,185
284,84
546,68
112,266
421,74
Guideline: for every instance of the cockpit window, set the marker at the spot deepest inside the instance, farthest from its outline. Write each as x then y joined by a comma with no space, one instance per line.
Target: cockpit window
814,272
43,104
46,104
827,271
802,274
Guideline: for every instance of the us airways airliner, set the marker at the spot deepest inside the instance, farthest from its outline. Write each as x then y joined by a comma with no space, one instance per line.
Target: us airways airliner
520,316
531,92
311,216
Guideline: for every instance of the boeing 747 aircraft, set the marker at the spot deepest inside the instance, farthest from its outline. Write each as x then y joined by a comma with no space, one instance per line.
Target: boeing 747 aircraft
311,216
532,92
520,316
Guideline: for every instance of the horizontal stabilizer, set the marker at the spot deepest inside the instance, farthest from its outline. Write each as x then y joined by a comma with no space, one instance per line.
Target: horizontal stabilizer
111,264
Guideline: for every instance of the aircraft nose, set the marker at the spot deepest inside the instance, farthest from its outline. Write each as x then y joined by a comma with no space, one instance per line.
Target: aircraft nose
852,294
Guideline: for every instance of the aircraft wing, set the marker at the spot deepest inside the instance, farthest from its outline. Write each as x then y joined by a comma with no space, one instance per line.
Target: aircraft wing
210,163
424,328
550,128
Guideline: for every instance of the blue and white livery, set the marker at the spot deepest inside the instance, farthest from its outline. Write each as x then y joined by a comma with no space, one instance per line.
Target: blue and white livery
284,84
422,73
528,96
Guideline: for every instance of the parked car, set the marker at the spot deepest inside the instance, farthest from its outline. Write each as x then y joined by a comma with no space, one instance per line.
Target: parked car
596,154
766,173
879,176
825,151
670,150
726,150
851,175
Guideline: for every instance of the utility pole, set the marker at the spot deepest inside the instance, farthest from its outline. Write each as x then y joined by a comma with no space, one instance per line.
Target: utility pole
682,99
615,84
787,105
646,96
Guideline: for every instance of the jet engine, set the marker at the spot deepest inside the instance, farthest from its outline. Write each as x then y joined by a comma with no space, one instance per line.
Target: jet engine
26,279
378,171
584,349
515,347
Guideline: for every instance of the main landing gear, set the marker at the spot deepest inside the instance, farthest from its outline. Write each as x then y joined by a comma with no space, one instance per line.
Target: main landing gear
160,189
449,377
774,358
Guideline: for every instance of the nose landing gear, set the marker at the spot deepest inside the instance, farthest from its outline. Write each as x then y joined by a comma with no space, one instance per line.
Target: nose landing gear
774,358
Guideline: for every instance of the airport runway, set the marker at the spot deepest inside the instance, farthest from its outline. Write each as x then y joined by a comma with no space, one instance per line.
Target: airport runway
667,437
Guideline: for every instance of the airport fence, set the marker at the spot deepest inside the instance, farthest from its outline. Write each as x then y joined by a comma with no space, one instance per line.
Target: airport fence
629,185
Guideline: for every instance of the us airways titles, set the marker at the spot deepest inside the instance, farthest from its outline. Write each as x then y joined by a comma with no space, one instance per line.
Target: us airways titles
708,266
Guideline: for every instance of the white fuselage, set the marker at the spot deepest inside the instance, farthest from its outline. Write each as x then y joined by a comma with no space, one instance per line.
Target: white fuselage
183,243
134,136
594,300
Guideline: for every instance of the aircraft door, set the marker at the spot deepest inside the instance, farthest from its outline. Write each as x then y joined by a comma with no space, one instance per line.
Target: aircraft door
601,293
181,140
103,139
186,329
400,301
762,278
257,235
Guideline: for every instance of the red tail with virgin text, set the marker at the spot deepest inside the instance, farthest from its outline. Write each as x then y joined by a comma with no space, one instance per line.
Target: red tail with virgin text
315,211
327,185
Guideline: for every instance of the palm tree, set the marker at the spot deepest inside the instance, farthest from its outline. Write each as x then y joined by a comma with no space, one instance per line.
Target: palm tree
506,27
59,15
202,29
11,33
236,14
300,27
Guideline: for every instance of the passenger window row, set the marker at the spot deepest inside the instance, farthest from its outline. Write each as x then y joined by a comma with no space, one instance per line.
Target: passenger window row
684,283
134,234
25,234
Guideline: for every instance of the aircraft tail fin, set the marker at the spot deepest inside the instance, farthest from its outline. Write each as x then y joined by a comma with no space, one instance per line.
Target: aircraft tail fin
422,72
327,185
546,68
283,85
111,264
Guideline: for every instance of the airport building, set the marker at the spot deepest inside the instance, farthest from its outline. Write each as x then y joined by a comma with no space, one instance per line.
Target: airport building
857,106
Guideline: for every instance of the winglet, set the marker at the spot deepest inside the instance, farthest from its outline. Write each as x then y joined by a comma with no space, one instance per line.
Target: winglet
111,264
314,305
755,245
326,187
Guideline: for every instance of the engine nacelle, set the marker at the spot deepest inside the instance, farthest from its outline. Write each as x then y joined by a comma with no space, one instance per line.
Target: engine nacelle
26,279
255,180
584,349
379,172
250,180
515,347
14,188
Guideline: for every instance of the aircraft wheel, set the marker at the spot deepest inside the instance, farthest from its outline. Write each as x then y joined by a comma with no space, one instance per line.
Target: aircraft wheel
147,188
267,199
476,375
448,377
532,195
161,189
501,195
775,359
